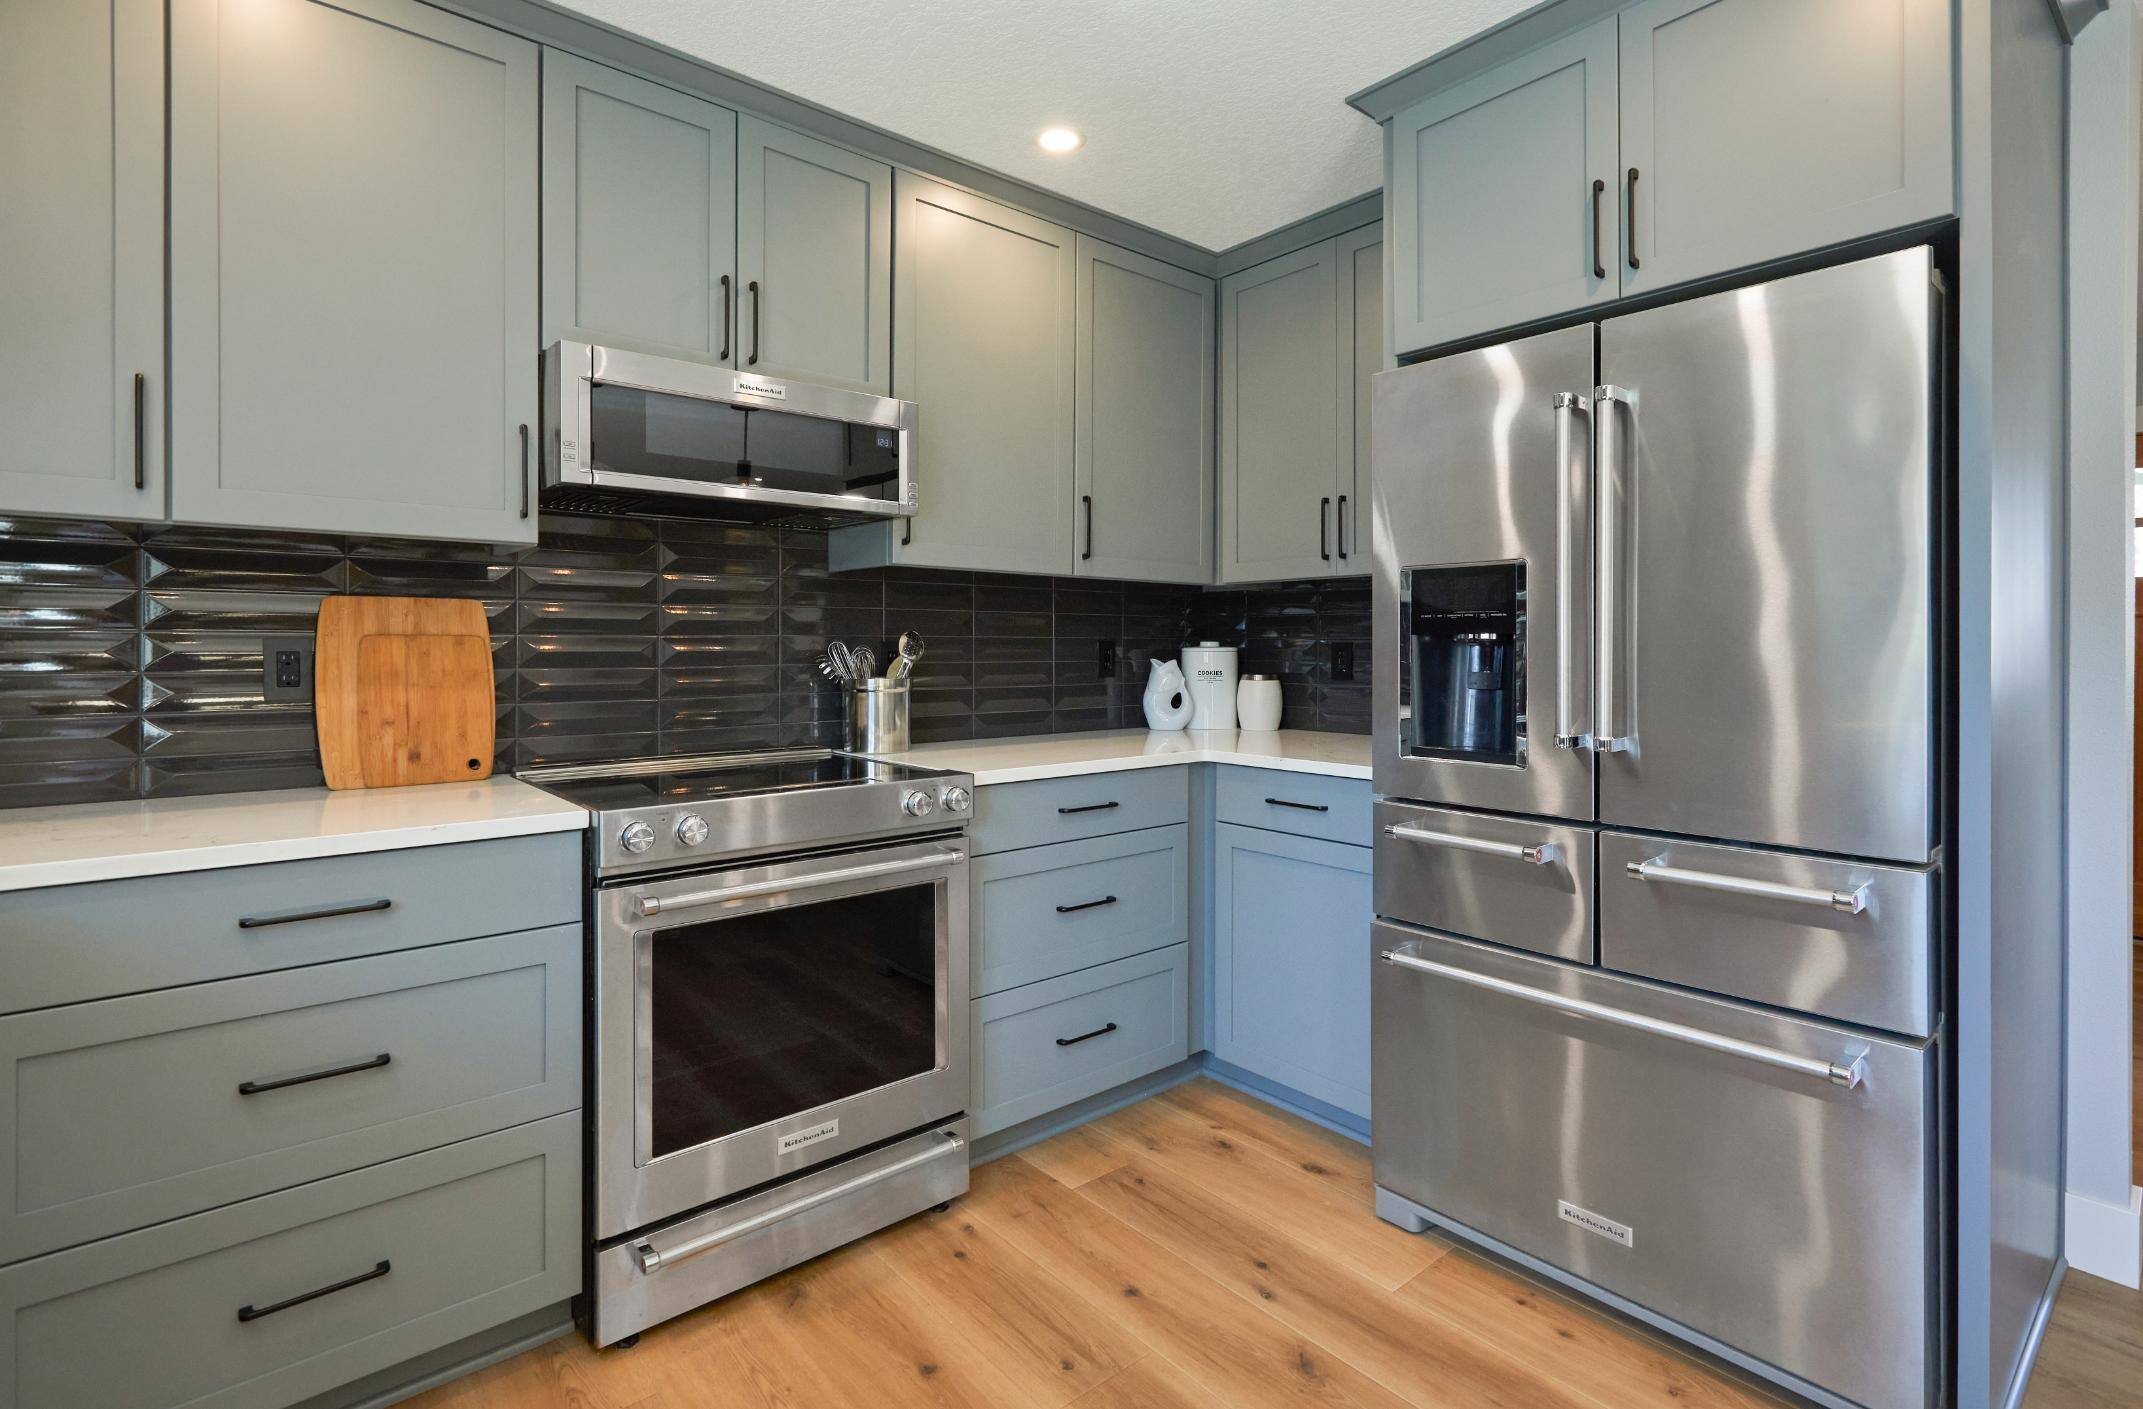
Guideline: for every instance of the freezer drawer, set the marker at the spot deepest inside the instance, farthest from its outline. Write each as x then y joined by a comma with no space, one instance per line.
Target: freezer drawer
1704,1160
1525,884
1841,939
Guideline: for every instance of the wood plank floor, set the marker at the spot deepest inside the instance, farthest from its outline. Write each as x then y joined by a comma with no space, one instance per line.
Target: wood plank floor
1199,1250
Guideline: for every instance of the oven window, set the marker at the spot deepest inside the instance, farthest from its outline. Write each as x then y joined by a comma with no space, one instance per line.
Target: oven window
639,432
766,1014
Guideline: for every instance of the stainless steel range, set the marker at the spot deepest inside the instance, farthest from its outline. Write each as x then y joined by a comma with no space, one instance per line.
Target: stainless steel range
780,989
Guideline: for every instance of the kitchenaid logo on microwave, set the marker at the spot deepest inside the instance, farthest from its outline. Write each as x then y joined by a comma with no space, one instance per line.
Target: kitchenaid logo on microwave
748,385
797,1139
1593,1223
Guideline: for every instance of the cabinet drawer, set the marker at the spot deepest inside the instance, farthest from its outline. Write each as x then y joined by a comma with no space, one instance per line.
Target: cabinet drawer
1763,925
1048,910
470,1236
133,1110
1012,815
1464,872
1051,1043
71,943
1305,804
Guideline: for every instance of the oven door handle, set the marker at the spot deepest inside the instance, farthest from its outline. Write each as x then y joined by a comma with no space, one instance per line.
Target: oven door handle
653,1259
657,905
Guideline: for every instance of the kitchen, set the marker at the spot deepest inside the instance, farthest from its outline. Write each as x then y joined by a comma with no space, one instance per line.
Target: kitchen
473,931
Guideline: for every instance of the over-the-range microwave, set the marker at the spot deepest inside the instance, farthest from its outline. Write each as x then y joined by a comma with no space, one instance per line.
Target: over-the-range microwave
630,430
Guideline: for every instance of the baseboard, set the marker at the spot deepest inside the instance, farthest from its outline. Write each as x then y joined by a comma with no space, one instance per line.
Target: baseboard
449,1362
1013,1138
2104,1239
1288,1099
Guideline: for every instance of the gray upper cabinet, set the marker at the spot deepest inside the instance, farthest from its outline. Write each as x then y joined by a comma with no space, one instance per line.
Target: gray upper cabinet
814,260
1503,194
984,346
1279,409
1144,396
1359,349
639,213
1758,129
82,365
353,270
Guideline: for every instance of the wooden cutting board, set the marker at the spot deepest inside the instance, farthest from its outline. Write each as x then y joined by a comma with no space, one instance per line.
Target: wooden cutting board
402,691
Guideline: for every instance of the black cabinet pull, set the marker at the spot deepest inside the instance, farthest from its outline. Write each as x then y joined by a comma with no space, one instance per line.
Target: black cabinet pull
524,469
141,431
725,317
1599,270
1298,806
1089,807
1086,1036
362,907
1086,905
1339,532
1087,500
254,1313
753,360
254,1088
1633,217
1324,528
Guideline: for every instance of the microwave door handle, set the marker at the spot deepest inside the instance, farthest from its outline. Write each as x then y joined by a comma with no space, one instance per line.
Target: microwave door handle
1610,734
1570,730
650,905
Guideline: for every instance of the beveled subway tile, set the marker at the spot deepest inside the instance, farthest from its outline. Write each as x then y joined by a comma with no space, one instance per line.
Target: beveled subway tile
68,562
30,741
1015,675
47,655
283,613
535,687
930,625
1004,592
586,652
91,530
592,618
73,695
1086,595
1013,726
616,544
1082,721
240,773
533,751
1001,700
707,538
942,730
732,712
58,783
541,720
487,579
176,567
816,590
244,540
720,619
239,726
733,740
600,584
692,586
40,609
1013,626
938,704
905,593
856,625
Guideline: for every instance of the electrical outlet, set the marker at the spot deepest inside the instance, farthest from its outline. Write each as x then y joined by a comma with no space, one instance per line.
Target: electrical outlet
286,668
1342,660
1107,661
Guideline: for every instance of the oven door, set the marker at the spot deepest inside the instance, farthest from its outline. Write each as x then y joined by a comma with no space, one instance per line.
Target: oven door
757,1021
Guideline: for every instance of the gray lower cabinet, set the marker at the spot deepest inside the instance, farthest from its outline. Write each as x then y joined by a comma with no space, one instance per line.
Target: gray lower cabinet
1043,1046
259,1304
639,213
1144,399
352,269
1009,816
1049,910
984,343
82,297
1758,129
1291,962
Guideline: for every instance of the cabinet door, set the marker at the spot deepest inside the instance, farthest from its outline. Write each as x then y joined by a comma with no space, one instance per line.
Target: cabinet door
639,214
1291,962
1763,128
1358,348
1503,195
82,296
353,269
1144,393
1279,417
814,260
984,345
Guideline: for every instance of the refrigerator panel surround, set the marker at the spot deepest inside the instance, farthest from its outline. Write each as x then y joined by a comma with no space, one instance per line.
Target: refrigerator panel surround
1480,479
1767,503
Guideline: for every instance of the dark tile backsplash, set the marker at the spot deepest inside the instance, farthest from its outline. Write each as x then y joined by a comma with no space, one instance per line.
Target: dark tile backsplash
130,658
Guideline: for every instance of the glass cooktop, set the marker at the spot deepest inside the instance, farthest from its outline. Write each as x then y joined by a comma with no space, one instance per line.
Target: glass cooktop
709,777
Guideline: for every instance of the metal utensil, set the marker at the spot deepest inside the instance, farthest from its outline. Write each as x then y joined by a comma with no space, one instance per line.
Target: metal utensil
911,651
828,669
844,661
866,663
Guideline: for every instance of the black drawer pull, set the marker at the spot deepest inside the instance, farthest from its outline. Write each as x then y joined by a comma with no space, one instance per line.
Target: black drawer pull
362,907
1090,807
254,1313
254,1088
1086,905
1298,806
1086,1036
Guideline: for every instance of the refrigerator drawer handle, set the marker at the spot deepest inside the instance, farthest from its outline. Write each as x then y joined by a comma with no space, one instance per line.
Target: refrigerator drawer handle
652,1259
1851,902
1541,855
663,905
1570,733
1849,1072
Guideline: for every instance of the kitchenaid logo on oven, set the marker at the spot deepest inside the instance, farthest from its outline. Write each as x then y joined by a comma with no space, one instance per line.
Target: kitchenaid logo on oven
797,1139
1593,1223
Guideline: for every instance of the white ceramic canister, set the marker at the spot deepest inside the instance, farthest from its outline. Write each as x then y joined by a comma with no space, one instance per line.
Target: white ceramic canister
1210,667
1257,703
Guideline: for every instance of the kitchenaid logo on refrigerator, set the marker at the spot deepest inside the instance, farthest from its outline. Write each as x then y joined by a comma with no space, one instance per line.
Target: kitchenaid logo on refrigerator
759,386
1593,1223
796,1140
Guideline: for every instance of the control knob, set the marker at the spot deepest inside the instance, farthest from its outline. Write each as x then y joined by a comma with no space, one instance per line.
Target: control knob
917,804
637,837
691,829
957,799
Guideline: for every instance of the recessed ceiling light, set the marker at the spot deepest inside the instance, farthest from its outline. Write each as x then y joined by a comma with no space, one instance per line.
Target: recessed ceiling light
1060,139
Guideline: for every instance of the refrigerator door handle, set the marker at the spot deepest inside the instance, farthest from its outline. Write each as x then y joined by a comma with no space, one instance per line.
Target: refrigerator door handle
1850,902
1570,732
1609,734
1848,1071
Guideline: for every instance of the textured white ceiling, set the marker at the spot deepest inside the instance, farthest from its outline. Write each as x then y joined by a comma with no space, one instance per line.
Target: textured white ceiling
1211,120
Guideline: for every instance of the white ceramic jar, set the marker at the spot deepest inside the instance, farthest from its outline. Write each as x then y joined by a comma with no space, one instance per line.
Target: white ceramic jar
1210,667
1257,703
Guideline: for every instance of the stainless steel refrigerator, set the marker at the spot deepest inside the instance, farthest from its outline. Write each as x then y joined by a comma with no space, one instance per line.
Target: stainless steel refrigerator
1658,744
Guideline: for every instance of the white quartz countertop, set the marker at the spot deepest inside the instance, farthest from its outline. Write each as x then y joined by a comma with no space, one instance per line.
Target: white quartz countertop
1113,751
101,841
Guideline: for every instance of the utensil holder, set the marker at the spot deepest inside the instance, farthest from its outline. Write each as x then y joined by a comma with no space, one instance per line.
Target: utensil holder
878,716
